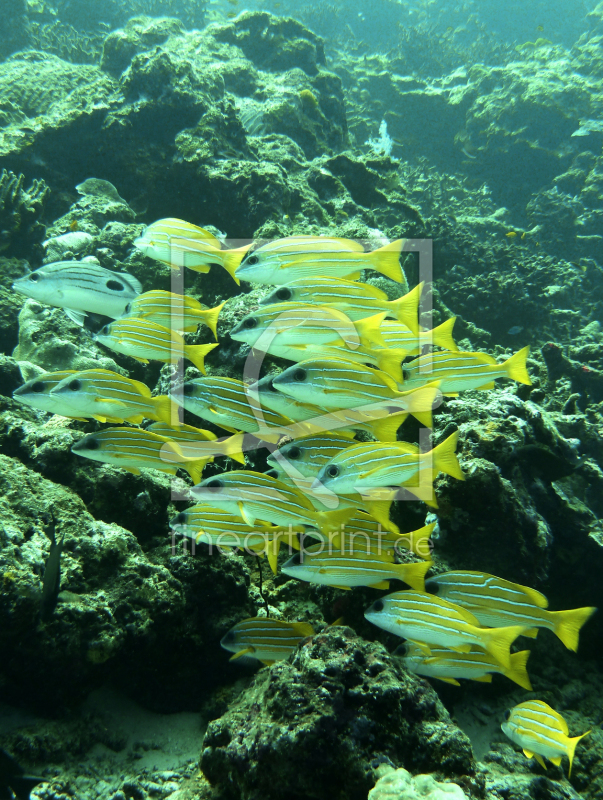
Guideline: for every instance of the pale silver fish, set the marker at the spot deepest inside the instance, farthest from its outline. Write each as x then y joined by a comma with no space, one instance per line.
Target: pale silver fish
80,288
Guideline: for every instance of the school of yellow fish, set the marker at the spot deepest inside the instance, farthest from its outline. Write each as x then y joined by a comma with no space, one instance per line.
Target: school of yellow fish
349,345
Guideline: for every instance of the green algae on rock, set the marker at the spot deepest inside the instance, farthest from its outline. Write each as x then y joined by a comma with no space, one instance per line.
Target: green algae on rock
317,726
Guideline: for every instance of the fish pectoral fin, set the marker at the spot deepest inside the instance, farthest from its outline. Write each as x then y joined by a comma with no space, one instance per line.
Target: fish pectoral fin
247,517
79,317
462,648
110,400
380,585
424,648
248,651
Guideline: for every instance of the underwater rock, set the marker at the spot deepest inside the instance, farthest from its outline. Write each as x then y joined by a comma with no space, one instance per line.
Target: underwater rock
10,375
399,784
317,725
20,213
121,613
139,33
274,43
48,338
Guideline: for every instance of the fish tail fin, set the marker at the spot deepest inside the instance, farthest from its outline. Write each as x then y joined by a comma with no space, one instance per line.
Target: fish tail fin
195,468
379,510
386,260
516,368
444,458
498,641
418,542
232,447
211,318
368,330
231,260
406,308
568,624
442,335
197,352
386,428
518,671
390,361
421,402
166,410
414,574
571,749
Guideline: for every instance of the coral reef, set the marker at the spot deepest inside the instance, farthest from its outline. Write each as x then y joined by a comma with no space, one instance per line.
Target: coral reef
20,213
320,725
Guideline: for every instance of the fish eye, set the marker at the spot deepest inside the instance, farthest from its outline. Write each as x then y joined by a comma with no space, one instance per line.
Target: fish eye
188,388
272,473
92,444
299,375
105,331
34,277
37,387
115,286
406,374
333,471
252,260
295,559
214,484
75,386
507,713
284,293
378,605
432,586
250,322
293,453
128,308
179,519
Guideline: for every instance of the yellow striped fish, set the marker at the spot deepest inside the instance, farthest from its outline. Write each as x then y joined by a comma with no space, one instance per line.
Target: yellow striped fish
175,311
196,443
427,620
356,300
458,372
255,496
382,423
496,602
181,244
369,465
540,731
384,358
308,455
134,449
355,567
295,324
266,639
212,526
336,384
36,393
226,402
366,531
146,341
399,337
448,666
110,397
285,260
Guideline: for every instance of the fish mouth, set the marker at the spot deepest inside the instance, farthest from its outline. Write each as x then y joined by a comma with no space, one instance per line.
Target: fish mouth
18,287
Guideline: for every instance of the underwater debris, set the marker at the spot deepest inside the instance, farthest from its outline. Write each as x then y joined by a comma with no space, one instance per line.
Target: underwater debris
20,213
51,584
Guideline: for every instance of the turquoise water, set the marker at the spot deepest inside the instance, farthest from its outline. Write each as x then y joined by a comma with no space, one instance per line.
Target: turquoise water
160,634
